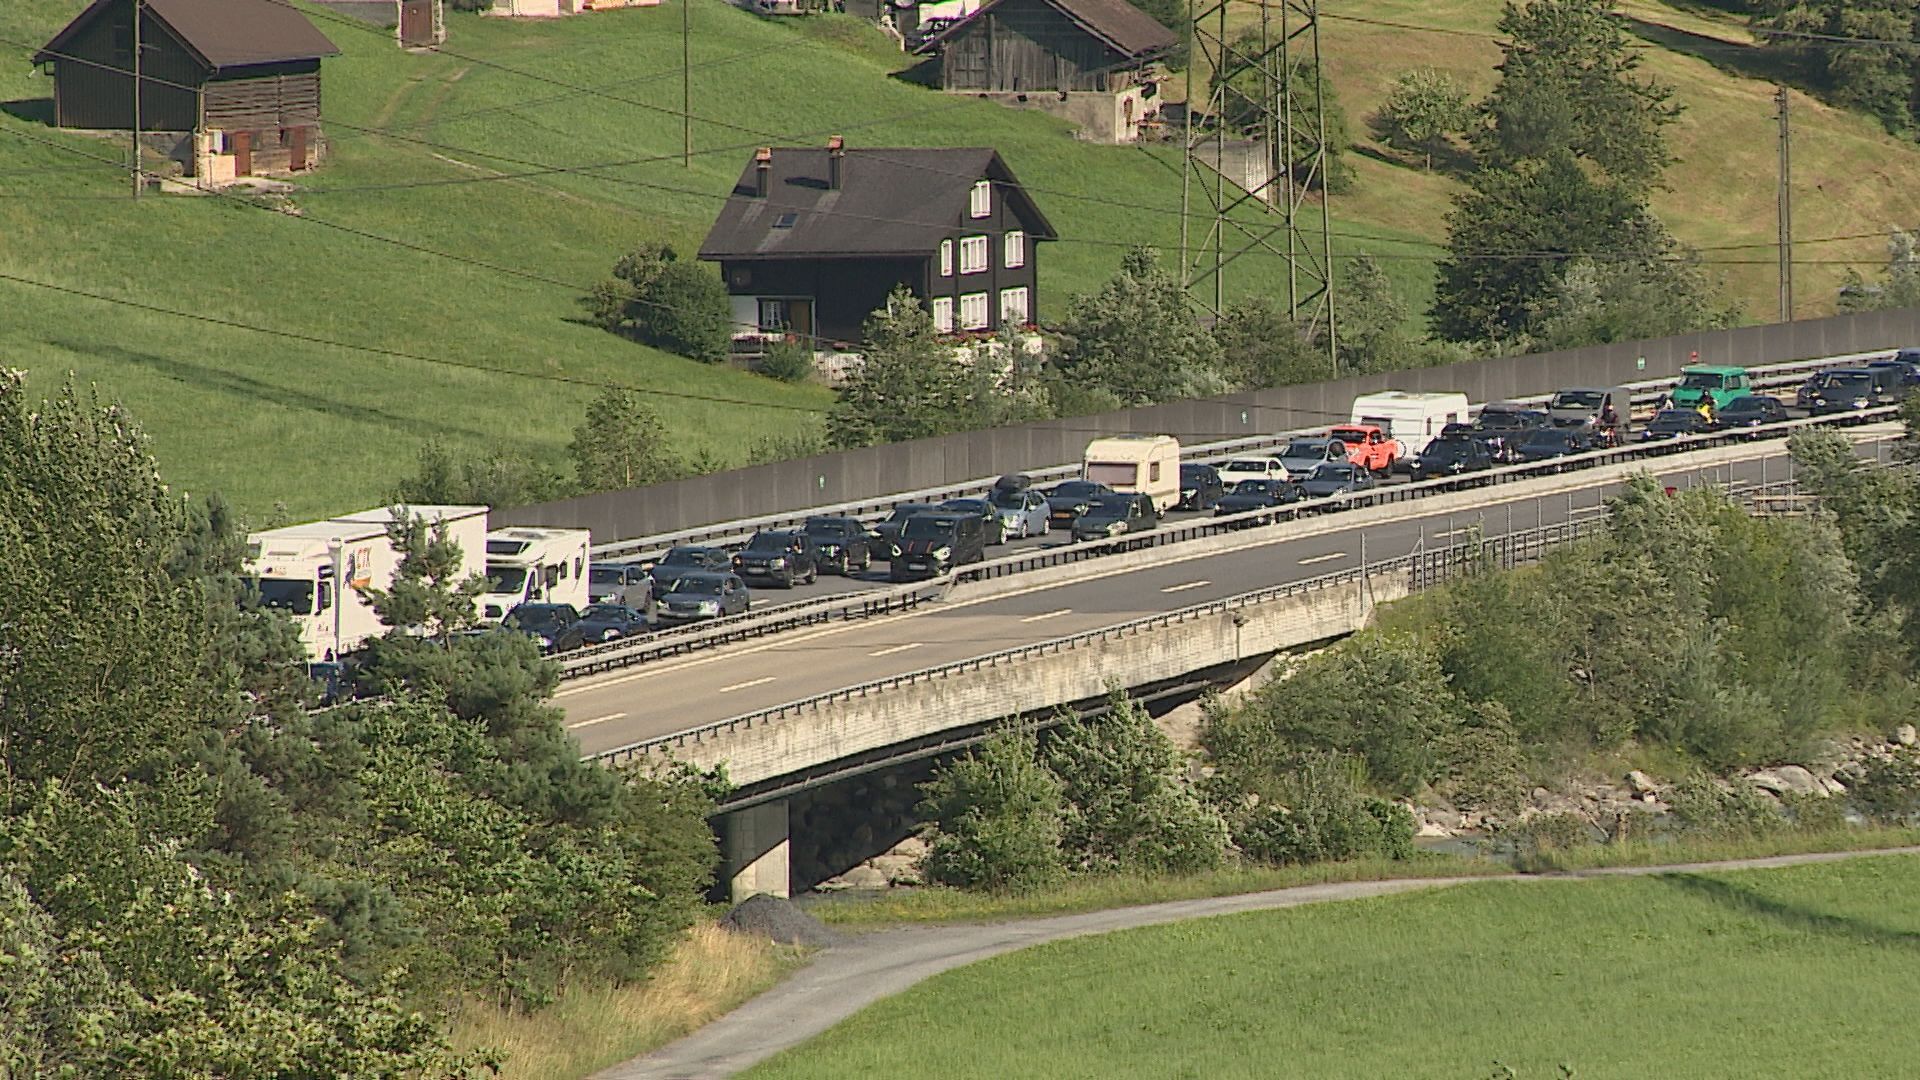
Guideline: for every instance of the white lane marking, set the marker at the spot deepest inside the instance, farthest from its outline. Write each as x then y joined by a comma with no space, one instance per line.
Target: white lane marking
595,720
1451,532
743,685
894,649
1048,615
1201,584
1329,556
1590,510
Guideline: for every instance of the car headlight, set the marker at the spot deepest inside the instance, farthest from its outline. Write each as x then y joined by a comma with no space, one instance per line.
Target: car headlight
545,641
943,553
893,550
1115,527
1187,493
777,564
709,607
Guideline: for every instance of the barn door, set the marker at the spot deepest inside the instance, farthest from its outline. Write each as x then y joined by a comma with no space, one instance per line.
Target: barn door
242,153
297,154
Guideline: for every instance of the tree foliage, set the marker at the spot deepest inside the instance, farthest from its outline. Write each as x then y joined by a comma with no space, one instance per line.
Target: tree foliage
497,478
1598,303
1424,110
621,444
993,817
1369,319
907,385
1253,103
1827,42
1138,339
663,300
428,594
1899,283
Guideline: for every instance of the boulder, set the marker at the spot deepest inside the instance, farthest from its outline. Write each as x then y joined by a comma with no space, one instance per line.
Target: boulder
778,920
1834,787
1641,784
1905,735
864,877
1542,797
1787,779
1433,830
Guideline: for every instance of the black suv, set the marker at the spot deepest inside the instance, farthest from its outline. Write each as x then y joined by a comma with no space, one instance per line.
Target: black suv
555,626
1450,456
1116,515
781,556
934,543
887,531
1200,487
840,544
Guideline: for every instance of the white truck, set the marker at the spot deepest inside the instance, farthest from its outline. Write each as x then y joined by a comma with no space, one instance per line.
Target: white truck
318,573
1413,418
527,565
1148,464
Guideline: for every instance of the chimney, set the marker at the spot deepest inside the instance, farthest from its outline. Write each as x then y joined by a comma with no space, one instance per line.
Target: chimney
762,165
836,161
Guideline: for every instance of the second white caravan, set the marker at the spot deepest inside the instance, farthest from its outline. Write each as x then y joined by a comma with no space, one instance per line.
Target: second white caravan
525,565
1412,417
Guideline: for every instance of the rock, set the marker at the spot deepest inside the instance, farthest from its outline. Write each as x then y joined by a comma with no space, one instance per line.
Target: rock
864,877
912,847
1787,779
1542,797
1433,829
1446,819
778,920
1905,735
1641,784
1649,798
1834,787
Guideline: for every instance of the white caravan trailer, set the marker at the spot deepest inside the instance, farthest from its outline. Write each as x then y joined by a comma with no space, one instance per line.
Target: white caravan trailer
1413,418
526,565
318,572
1148,464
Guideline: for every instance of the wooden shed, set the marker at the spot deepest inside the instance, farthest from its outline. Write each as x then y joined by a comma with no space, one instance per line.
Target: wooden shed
240,76
1021,46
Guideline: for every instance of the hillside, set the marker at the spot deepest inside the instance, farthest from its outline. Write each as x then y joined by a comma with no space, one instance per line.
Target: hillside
474,194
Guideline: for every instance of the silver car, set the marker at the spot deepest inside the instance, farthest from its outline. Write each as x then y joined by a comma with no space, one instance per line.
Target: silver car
1022,513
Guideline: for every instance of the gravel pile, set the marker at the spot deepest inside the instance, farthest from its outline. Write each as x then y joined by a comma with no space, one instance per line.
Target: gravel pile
777,919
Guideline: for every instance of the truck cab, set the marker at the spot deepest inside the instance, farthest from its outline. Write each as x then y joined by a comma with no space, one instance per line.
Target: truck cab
1369,447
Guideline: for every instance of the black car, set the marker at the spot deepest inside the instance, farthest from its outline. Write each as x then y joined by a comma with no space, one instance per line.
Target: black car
1200,487
1844,390
1066,502
781,556
983,509
1504,426
1904,367
706,594
688,560
1548,445
555,626
840,544
1452,455
1258,495
610,622
883,534
1751,411
1673,423
1116,515
934,543
1338,479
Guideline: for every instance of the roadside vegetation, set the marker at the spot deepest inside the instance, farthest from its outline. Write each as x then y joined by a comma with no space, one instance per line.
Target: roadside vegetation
1511,979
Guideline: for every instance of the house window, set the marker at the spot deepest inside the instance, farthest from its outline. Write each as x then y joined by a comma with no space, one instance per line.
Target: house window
1016,249
973,255
973,311
1013,306
946,258
982,204
943,314
773,315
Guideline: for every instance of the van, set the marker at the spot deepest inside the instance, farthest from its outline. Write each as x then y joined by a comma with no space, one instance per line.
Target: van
1588,407
933,544
1148,464
1412,418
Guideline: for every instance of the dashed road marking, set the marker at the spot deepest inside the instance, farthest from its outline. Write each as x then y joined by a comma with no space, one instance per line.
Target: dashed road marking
895,649
1328,557
1201,584
1048,615
595,720
763,680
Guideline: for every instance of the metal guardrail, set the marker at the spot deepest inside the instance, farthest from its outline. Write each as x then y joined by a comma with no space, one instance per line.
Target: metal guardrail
849,606
728,533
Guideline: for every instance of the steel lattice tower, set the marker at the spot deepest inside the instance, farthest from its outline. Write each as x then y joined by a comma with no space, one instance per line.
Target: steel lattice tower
1262,207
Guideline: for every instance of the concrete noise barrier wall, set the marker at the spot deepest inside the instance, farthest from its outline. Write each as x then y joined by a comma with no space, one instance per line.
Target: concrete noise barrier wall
853,475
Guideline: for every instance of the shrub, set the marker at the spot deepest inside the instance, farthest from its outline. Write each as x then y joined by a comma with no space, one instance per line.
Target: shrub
1703,804
1888,789
993,818
1559,831
788,360
1317,813
656,297
1485,767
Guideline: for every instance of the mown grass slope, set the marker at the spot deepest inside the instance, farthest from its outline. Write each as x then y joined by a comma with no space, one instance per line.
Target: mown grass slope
1796,972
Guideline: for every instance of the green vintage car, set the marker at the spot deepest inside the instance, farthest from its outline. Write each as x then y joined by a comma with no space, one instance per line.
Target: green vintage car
1720,383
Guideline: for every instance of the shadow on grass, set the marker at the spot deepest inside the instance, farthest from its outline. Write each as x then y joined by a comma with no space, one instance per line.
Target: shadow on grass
1739,897
251,389
1731,57
32,110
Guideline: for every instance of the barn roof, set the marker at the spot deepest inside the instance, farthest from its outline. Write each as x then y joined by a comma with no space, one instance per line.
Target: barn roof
890,202
222,33
1121,26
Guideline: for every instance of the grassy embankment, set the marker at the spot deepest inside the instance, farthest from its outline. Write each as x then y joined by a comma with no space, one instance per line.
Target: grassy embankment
1795,972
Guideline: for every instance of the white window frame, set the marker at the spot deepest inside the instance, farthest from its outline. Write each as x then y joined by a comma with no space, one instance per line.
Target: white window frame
974,313
1007,315
980,200
943,314
973,254
946,258
1016,250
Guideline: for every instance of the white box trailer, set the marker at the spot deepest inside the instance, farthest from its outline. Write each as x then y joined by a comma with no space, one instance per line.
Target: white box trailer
1412,417
525,565
295,570
1148,464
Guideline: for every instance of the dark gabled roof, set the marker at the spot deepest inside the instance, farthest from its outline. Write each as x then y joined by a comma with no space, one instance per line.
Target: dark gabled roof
1122,27
222,33
890,202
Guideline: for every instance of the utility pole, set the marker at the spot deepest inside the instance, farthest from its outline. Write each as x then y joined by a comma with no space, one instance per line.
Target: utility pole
138,5
1785,213
686,82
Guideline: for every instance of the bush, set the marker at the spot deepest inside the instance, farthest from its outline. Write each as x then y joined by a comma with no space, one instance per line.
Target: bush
1888,789
1702,804
1485,767
787,360
1560,831
670,303
1318,813
993,818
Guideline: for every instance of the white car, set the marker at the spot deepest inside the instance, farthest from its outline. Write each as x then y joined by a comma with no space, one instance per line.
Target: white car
1256,468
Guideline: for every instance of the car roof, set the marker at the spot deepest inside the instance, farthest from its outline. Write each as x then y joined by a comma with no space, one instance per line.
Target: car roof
705,575
1713,369
945,516
970,501
698,547
1316,440
831,520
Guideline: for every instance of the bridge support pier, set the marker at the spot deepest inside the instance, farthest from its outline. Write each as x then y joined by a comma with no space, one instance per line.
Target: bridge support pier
753,848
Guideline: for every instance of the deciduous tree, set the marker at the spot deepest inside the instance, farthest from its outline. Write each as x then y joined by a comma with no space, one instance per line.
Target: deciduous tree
1137,337
907,385
622,443
1424,109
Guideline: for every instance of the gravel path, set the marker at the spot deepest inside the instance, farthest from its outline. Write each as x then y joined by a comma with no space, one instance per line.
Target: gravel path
864,968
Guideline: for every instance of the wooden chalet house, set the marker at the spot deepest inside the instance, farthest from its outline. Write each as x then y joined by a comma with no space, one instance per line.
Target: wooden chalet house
235,82
1090,61
813,240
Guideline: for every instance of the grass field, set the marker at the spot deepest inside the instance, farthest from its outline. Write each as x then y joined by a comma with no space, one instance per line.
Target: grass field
1804,972
474,194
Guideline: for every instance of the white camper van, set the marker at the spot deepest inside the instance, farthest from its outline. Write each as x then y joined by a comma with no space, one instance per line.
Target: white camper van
295,570
1413,418
525,565
1148,464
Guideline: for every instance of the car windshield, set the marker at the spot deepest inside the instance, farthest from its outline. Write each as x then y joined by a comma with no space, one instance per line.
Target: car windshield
1851,383
768,542
1255,488
1009,500
926,528
1577,399
1702,381
606,575
1111,506
827,527
605,613
1333,472
283,594
1252,465
976,507
905,513
1078,489
696,584
506,579
534,616
1676,418
1349,435
1447,448
1745,405
1299,448
1193,473
1545,438
682,556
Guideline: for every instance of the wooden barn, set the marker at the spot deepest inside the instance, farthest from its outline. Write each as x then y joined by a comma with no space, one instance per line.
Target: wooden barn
1026,46
237,80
